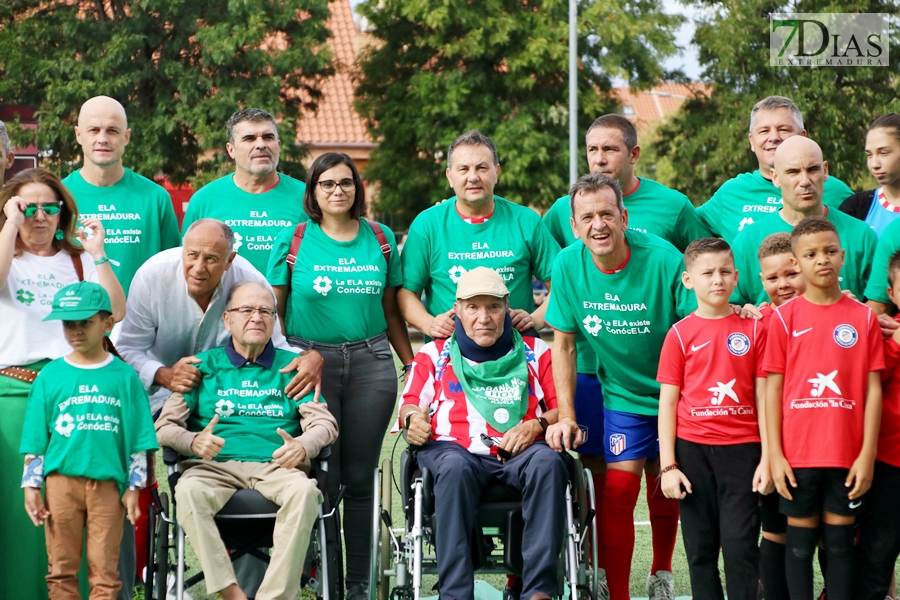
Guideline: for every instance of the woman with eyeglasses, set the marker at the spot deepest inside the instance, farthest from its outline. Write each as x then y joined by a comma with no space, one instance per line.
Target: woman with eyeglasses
335,279
38,227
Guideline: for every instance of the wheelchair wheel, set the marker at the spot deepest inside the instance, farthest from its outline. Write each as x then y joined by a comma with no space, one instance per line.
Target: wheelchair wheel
335,554
386,550
157,578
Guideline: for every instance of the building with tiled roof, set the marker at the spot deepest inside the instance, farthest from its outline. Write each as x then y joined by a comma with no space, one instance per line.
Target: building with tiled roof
335,126
646,108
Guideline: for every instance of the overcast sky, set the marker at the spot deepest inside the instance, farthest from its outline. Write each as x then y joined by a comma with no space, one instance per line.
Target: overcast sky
688,59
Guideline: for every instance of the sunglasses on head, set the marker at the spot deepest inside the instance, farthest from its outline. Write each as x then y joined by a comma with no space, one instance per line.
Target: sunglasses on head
47,209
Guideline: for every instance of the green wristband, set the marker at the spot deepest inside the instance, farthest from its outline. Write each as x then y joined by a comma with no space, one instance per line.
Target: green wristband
105,259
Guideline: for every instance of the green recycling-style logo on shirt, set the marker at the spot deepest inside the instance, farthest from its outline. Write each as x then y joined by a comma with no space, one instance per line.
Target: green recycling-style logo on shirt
456,273
25,297
65,424
322,285
224,408
592,324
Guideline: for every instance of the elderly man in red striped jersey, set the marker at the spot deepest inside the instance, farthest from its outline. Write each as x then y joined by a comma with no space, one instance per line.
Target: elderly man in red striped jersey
478,404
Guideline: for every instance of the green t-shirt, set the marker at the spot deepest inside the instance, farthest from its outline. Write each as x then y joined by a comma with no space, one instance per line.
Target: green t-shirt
336,287
137,215
256,219
857,239
250,402
888,244
652,208
750,197
625,315
442,246
88,421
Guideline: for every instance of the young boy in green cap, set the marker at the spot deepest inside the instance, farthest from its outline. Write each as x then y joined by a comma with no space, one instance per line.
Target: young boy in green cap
87,433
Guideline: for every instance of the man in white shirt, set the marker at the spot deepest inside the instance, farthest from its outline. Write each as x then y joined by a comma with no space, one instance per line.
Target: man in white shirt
175,308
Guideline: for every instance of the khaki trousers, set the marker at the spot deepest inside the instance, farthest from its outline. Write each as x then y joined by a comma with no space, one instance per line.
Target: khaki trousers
76,503
206,486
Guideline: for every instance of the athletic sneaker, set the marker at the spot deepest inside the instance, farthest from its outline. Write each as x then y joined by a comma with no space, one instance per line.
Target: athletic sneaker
661,586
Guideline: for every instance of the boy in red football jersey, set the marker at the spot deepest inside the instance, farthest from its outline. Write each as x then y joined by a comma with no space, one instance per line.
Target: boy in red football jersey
782,281
712,391
823,408
879,527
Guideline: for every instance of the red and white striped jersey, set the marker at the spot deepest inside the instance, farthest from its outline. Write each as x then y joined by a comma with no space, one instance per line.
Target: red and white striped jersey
433,387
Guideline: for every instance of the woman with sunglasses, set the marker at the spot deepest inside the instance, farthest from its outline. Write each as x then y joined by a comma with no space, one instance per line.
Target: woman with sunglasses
38,256
340,298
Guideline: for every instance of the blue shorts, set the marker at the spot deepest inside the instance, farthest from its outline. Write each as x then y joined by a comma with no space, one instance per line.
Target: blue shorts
589,413
630,437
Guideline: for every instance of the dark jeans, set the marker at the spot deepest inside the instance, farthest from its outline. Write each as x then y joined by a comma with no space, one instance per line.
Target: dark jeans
879,535
459,477
721,509
359,383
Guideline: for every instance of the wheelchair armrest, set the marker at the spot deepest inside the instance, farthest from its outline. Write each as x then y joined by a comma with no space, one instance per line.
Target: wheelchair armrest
171,456
323,455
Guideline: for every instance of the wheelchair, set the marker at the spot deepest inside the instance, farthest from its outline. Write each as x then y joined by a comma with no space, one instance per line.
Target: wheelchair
400,552
246,524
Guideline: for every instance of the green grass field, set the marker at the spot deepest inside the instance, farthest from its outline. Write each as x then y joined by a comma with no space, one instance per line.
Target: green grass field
640,566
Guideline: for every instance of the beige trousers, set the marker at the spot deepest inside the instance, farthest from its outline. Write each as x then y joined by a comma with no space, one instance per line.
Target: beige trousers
76,504
206,486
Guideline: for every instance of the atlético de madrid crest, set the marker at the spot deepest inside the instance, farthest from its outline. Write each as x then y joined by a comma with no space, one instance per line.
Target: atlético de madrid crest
617,443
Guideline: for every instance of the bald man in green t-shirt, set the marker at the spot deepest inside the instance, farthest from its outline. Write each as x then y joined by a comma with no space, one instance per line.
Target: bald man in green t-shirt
136,212
750,197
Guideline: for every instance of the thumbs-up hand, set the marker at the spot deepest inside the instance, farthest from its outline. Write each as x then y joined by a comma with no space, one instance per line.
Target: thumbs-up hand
205,444
291,454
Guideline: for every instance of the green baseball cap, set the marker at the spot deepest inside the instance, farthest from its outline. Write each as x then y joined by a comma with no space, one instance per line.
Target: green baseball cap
79,301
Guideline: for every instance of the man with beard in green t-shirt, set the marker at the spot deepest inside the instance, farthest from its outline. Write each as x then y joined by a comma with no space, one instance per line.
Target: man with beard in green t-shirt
749,197
256,201
475,228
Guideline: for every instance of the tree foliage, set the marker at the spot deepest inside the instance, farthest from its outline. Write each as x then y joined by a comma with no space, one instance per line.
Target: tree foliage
438,68
706,143
180,68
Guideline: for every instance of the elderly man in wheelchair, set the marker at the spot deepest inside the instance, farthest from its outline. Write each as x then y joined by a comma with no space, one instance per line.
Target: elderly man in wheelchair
240,430
477,406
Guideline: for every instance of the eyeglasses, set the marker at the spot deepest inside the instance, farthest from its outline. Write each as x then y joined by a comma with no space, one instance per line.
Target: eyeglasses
491,441
47,209
247,311
348,185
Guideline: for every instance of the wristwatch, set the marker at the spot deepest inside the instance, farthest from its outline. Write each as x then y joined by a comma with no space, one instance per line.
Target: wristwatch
543,423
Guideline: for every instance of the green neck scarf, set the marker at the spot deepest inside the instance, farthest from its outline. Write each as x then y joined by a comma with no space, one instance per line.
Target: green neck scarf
498,389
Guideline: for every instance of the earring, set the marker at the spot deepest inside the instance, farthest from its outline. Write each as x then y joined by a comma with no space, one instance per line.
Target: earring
59,234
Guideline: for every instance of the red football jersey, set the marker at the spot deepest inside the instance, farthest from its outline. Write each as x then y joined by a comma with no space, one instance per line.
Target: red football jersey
715,362
889,436
433,386
825,354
